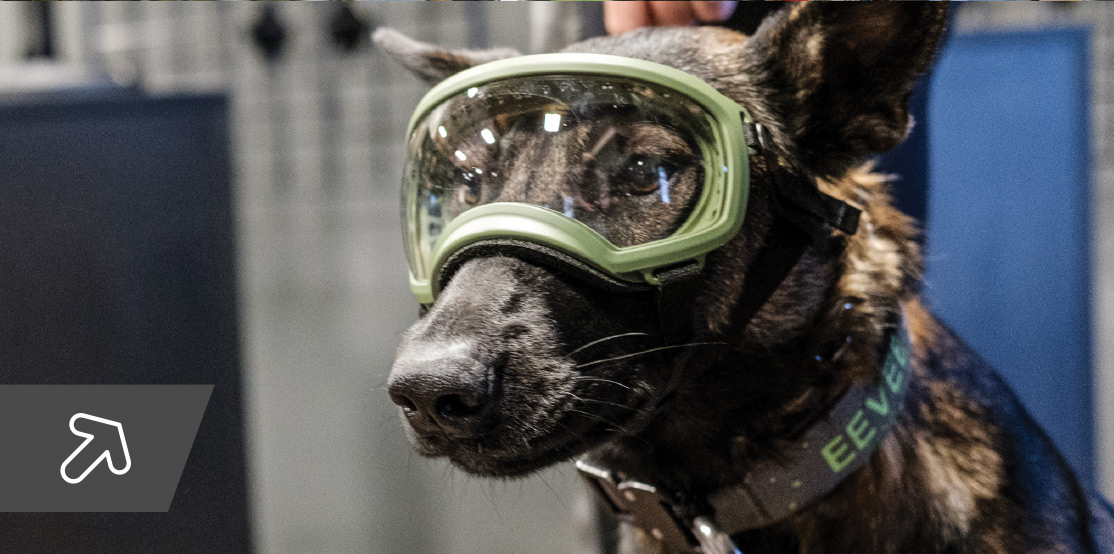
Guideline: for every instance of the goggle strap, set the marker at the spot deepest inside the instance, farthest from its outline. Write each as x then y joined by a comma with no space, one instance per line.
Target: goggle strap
785,244
803,218
676,295
822,210
537,254
801,192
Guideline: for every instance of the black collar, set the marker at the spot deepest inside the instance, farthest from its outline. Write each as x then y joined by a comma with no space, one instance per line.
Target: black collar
832,448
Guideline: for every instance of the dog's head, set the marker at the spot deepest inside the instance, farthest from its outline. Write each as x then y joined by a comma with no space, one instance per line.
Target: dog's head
517,366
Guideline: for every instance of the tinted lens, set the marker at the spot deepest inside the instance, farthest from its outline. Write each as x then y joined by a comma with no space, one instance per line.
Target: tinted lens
624,157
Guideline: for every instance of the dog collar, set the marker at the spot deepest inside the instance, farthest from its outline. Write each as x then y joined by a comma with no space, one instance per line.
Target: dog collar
819,459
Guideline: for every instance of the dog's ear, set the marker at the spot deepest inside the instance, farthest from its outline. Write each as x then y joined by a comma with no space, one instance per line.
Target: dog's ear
430,62
839,75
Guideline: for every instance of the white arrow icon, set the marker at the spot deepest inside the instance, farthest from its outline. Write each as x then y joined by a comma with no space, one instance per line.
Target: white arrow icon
106,455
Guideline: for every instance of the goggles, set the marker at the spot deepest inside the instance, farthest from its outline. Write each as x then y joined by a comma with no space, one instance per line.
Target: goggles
622,168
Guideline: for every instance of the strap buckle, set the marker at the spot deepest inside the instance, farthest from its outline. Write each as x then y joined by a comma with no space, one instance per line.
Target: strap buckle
712,539
645,507
818,209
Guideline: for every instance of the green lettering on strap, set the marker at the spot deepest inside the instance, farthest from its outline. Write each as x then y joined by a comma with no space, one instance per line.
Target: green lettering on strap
860,430
838,454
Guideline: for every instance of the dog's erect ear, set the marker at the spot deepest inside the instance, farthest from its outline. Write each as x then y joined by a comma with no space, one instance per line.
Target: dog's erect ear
839,75
430,62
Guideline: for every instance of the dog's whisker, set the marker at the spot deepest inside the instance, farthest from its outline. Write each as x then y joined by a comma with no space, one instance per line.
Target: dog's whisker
550,487
616,426
609,381
485,486
597,401
576,435
525,424
649,351
605,403
605,339
599,419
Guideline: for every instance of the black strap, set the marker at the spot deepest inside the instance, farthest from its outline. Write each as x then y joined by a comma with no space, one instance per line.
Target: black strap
534,253
824,210
785,244
804,217
676,295
813,210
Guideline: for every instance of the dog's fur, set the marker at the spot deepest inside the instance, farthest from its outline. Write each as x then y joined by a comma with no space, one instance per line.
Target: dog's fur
965,470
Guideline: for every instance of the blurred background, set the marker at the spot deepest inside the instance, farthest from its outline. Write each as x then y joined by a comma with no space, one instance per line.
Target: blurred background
208,193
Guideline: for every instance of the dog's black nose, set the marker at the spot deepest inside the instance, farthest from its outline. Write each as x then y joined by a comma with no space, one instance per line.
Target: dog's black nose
447,394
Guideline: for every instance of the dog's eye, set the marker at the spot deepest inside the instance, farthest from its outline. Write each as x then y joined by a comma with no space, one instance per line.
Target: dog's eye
643,174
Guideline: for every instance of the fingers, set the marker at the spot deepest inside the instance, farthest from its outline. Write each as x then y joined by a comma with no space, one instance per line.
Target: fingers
713,11
672,14
620,17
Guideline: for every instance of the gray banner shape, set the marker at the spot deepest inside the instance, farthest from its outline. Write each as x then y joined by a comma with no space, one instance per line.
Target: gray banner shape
159,423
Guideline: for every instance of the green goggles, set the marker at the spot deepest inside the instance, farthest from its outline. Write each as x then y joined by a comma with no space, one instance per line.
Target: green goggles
623,167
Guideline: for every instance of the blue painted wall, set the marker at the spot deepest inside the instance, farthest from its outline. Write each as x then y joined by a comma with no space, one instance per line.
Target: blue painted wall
117,266
1008,218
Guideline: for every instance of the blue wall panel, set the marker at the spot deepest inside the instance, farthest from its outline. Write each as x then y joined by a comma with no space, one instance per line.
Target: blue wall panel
1008,218
117,267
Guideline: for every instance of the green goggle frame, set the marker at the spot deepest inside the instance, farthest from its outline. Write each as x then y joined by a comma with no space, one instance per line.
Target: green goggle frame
714,220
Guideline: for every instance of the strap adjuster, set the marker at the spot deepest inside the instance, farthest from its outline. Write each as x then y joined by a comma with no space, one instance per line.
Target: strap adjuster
763,136
756,135
802,193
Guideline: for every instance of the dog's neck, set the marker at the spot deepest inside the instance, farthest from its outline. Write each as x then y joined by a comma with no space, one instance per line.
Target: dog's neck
739,410
809,462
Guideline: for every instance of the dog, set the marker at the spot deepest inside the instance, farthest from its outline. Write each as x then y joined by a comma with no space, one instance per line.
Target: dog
545,368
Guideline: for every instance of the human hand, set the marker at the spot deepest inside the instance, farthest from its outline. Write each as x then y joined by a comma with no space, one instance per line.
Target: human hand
622,16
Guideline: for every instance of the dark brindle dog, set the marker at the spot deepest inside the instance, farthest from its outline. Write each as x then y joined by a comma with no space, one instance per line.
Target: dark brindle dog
518,346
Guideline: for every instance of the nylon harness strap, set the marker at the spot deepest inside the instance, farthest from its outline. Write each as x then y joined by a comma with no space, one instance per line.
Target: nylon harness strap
676,297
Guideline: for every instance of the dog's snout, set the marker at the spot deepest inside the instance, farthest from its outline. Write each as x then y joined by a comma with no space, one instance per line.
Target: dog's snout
447,394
